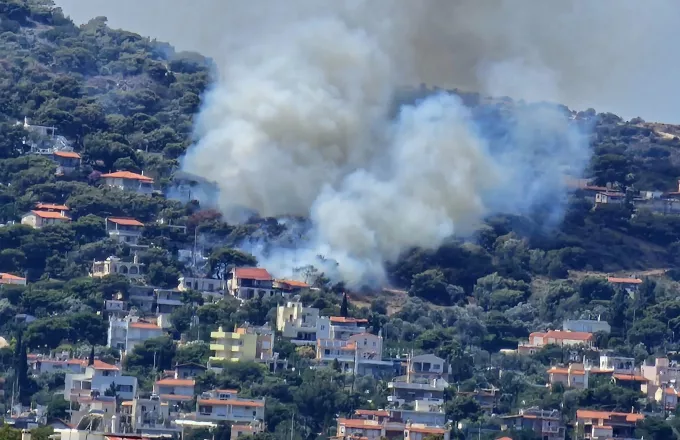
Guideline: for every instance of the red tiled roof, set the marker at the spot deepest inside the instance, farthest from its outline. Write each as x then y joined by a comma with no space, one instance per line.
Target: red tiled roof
359,423
125,221
233,402
557,370
343,320
127,175
426,430
227,391
615,280
144,325
574,336
10,277
372,412
177,397
176,382
252,273
293,283
50,214
53,206
631,377
99,365
67,154
604,415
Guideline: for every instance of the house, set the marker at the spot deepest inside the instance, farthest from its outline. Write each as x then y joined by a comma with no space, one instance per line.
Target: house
143,298
189,370
339,328
630,285
167,300
487,398
52,207
149,417
630,381
67,161
99,377
573,376
8,278
115,307
38,219
610,197
124,230
663,371
40,365
538,340
201,284
114,265
423,386
546,424
290,287
240,430
94,402
128,181
247,282
243,344
603,425
125,333
174,391
226,406
297,323
360,354
617,364
362,428
667,397
586,326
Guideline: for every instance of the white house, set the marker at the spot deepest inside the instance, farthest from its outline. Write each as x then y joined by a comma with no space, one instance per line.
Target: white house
99,377
128,181
114,265
248,282
124,230
340,328
297,322
226,406
125,333
41,365
174,390
8,278
38,219
53,207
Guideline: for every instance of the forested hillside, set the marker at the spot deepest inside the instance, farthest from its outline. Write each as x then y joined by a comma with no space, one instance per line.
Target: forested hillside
126,103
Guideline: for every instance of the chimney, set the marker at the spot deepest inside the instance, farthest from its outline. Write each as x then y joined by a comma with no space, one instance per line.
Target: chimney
135,259
114,423
25,434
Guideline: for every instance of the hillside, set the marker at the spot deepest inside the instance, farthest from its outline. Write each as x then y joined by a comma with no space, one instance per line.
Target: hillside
113,101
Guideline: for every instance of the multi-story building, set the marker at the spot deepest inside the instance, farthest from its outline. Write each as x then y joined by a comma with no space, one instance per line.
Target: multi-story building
189,370
67,161
167,300
114,265
125,333
143,298
339,328
52,207
124,230
128,181
360,354
8,278
385,427
617,364
115,307
226,406
572,376
596,425
201,284
99,377
38,219
586,326
422,388
546,424
249,282
298,323
174,391
149,416
94,402
243,344
290,287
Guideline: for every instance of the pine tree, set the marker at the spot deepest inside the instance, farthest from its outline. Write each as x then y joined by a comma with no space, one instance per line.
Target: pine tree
21,368
90,360
344,307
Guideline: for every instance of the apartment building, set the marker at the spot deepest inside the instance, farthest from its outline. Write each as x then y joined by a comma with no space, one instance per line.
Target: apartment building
226,406
128,181
297,322
149,417
125,333
422,388
360,354
124,230
546,424
339,328
99,377
245,343
247,283
604,425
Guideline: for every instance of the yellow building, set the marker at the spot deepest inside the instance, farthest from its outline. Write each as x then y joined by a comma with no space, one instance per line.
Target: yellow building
243,344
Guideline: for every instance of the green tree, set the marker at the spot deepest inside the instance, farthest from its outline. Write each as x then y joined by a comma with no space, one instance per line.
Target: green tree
222,260
344,312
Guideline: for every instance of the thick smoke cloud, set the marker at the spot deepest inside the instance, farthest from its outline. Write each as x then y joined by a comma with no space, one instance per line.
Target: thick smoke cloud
299,122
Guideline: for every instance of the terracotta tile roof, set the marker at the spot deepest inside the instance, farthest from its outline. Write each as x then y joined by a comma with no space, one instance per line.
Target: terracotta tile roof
228,391
125,221
557,370
144,325
426,430
343,320
293,283
10,277
252,273
671,391
99,365
127,175
48,206
631,377
372,412
50,214
359,424
67,154
233,402
562,335
615,280
604,415
127,403
176,382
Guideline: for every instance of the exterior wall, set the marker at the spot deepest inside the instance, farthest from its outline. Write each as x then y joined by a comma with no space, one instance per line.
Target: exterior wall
297,322
200,284
586,325
233,346
129,185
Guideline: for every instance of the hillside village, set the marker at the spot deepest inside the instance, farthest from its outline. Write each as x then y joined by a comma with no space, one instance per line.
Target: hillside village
129,309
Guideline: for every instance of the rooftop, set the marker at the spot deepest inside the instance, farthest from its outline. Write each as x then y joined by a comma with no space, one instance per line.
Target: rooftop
49,214
344,320
51,206
616,280
176,382
67,154
605,415
127,175
252,273
125,221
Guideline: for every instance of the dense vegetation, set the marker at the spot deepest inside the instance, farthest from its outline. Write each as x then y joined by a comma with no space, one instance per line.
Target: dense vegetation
126,102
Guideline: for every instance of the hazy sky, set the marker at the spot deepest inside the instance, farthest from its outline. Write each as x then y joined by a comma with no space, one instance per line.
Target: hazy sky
616,55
